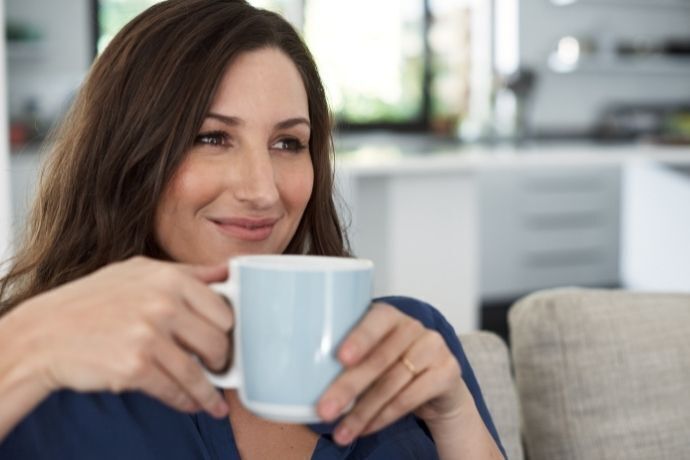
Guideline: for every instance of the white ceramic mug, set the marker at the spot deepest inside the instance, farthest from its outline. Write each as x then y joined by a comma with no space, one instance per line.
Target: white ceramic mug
291,314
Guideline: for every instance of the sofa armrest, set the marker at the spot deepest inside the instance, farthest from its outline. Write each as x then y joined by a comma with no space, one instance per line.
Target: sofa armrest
490,361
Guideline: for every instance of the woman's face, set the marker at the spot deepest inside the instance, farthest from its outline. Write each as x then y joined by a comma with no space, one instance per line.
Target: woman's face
243,187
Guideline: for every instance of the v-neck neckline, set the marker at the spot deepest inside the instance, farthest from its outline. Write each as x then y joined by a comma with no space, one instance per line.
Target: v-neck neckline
219,436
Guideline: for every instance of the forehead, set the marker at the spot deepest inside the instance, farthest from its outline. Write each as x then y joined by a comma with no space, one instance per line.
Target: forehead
260,84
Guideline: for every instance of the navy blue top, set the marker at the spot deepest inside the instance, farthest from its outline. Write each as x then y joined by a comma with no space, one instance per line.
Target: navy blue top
131,425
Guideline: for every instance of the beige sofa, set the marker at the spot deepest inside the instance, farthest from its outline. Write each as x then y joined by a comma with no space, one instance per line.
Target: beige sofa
596,374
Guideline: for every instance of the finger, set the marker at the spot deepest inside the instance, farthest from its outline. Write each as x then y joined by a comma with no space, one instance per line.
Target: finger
189,375
380,320
375,398
205,340
209,305
425,387
422,355
355,380
417,393
160,385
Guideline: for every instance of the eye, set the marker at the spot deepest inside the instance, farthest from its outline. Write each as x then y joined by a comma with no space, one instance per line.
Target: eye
212,138
290,144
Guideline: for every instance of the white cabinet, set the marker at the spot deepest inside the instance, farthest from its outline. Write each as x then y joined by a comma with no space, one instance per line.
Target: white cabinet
547,226
420,230
459,231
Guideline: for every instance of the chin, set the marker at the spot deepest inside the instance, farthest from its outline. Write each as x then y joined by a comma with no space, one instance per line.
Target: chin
222,255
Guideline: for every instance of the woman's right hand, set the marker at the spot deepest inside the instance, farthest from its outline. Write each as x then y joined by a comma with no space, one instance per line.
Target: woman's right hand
132,325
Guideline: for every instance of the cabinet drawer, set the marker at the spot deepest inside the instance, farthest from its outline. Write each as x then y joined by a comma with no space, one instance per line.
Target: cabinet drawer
564,240
548,227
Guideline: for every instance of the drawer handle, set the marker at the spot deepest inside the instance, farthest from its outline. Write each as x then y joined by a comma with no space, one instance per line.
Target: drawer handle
565,184
585,256
563,221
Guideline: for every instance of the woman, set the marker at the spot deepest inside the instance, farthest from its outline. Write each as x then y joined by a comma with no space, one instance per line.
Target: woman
201,133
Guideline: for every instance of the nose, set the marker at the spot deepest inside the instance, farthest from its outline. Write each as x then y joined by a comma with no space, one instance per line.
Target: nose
255,180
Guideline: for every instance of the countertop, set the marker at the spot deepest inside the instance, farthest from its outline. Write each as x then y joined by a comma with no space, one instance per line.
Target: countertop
384,160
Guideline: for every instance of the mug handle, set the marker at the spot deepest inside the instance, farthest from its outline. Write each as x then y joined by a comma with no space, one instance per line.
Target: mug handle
232,377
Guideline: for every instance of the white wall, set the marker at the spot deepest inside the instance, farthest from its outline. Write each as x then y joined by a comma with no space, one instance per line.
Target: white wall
50,71
47,72
5,213
574,100
656,228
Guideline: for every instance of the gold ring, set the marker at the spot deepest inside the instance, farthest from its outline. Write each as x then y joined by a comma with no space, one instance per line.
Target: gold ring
410,367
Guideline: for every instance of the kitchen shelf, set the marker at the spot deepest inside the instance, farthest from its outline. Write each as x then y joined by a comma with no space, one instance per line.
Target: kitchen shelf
652,65
627,3
25,50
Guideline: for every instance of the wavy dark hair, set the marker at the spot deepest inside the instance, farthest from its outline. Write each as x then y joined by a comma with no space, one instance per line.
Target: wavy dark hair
132,122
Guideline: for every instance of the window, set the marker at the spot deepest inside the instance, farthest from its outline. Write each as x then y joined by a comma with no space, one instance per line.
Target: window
111,15
372,59
395,65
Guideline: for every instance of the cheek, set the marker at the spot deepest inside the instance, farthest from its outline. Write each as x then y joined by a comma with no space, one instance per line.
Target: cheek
191,186
300,187
186,192
183,181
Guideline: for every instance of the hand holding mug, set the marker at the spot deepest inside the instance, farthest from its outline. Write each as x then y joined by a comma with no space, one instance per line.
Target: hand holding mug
394,366
132,325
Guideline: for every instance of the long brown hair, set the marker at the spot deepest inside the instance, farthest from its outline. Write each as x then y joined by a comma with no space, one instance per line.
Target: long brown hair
134,118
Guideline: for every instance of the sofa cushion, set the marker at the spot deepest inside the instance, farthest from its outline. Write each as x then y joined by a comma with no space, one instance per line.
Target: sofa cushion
603,374
490,361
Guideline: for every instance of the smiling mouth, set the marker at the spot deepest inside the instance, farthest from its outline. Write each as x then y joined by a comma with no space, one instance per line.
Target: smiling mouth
246,229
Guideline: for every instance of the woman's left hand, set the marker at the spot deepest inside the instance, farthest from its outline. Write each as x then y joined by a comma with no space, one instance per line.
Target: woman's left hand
393,366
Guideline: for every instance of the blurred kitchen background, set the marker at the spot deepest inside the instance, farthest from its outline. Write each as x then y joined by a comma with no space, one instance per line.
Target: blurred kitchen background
485,148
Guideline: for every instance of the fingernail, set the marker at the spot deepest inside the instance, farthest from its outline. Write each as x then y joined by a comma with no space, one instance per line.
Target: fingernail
349,353
330,409
343,435
221,409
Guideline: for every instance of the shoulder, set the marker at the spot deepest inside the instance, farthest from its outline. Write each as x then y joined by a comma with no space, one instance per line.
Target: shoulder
422,311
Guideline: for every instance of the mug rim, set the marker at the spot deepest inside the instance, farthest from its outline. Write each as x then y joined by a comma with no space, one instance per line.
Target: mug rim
301,262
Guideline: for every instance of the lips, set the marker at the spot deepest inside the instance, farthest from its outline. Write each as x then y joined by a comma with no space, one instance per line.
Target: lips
247,229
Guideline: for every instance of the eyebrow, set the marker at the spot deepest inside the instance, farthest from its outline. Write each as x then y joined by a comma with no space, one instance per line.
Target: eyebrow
235,121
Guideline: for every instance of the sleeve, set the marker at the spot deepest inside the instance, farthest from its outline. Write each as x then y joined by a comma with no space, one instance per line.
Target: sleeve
431,318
